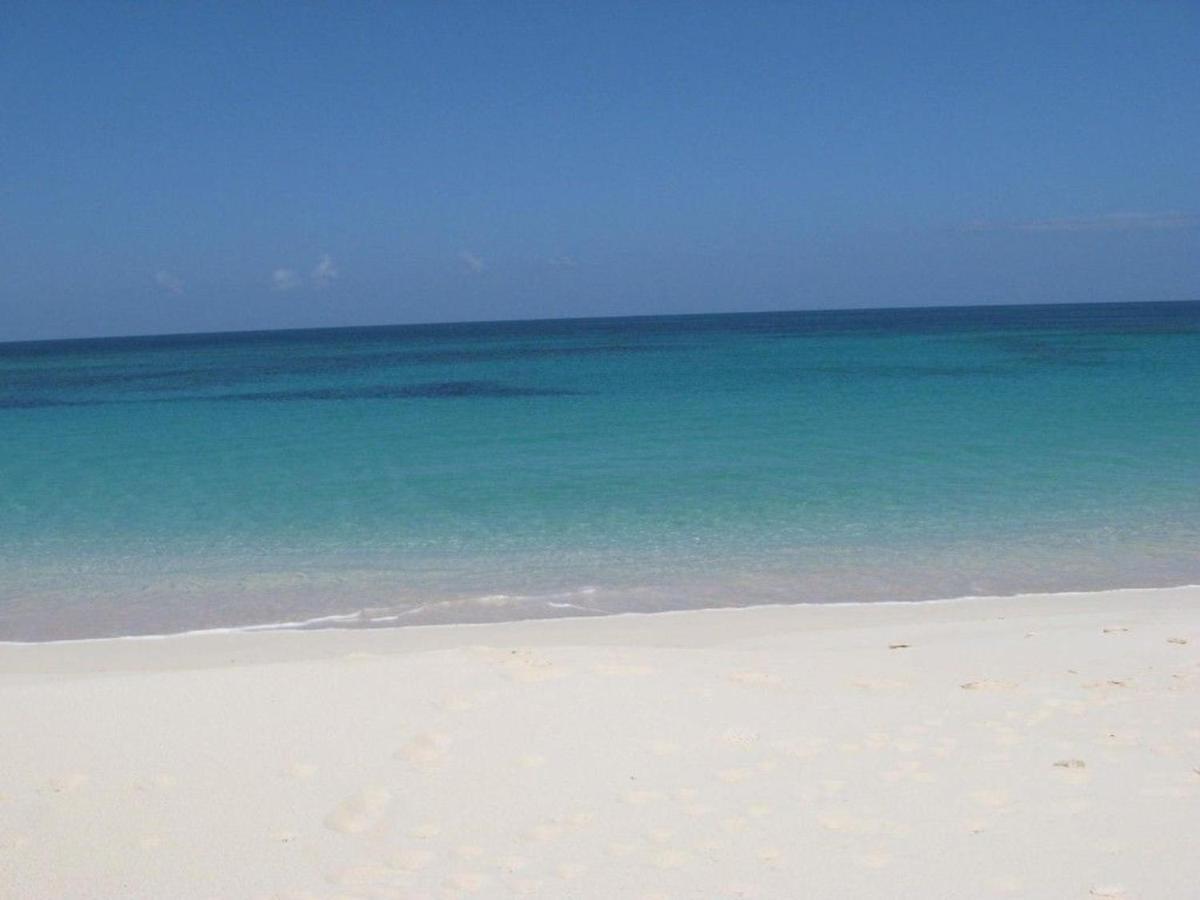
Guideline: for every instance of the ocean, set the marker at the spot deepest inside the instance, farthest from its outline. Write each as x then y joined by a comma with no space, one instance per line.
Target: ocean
488,471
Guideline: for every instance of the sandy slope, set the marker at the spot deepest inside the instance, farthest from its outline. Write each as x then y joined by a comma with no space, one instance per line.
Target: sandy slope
1034,747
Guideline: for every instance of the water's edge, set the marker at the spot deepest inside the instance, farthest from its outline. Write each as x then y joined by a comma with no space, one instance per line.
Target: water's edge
342,622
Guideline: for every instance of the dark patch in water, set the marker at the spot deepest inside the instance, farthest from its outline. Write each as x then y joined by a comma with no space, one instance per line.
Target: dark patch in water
143,377
19,402
907,371
431,390
1055,351
436,390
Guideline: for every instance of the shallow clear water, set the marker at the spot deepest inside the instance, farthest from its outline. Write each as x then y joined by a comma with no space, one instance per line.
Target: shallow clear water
502,470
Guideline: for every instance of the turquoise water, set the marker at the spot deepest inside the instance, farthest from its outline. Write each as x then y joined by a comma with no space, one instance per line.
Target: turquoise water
503,470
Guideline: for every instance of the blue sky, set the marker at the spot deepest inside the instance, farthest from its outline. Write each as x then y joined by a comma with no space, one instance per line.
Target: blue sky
195,167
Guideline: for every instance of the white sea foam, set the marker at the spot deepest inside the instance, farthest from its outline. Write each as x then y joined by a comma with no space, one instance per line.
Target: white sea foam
342,620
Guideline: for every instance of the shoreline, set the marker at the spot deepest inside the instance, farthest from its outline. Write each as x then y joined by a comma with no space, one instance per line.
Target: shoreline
1033,746
390,623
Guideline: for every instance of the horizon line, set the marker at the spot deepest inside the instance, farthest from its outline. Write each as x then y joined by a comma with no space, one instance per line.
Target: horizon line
816,309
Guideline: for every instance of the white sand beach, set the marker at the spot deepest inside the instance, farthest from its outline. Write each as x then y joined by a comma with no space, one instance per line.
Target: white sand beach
1032,747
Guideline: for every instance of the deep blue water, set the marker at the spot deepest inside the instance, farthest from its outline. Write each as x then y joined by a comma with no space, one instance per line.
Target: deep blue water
501,470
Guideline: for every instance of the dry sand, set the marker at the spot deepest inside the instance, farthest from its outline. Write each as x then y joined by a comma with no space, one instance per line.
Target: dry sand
1033,747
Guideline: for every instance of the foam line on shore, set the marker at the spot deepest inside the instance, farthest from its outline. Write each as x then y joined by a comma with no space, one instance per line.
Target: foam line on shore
313,624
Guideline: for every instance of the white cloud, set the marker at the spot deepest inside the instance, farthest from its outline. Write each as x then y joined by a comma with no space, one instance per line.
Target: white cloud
1163,221
325,272
471,261
284,280
562,262
172,284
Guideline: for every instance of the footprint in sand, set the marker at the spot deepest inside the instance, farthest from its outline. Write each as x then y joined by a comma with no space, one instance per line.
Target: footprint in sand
1115,629
545,831
155,782
1107,890
410,859
852,824
467,882
993,799
671,859
742,891
1073,770
831,787
944,749
741,738
164,780
302,771
735,823
770,856
879,684
67,784
622,670
1007,885
455,703
524,667
988,684
755,679
734,776
1182,642
361,812
877,739
1006,736
640,798
14,842
358,877
877,860
425,751
909,770
799,748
